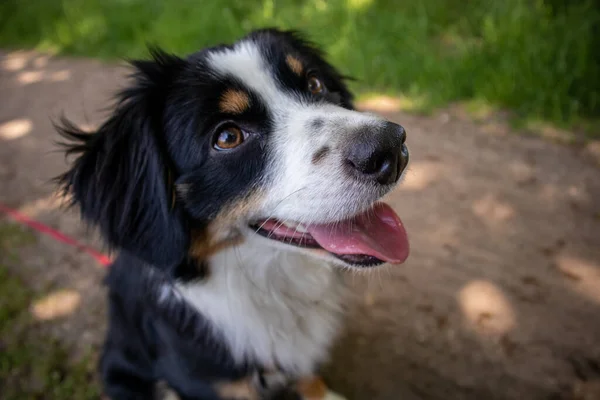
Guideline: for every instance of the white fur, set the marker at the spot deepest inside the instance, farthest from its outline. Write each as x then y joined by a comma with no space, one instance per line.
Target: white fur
277,307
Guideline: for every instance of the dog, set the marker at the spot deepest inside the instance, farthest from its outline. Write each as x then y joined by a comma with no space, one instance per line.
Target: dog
236,185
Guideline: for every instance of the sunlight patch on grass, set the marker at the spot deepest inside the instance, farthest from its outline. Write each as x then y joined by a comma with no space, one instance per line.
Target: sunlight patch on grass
486,308
479,109
15,128
359,4
15,62
582,275
51,202
388,104
57,304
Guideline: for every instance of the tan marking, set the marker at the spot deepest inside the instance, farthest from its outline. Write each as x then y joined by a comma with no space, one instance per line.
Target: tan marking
240,389
294,64
242,208
234,102
223,232
312,388
204,244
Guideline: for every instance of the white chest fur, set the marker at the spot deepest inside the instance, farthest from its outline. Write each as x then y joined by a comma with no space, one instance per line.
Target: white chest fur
276,307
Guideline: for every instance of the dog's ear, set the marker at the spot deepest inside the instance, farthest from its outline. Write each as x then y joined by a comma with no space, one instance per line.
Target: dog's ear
121,178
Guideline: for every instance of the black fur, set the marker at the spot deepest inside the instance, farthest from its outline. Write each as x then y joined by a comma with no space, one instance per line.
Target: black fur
124,180
153,337
119,179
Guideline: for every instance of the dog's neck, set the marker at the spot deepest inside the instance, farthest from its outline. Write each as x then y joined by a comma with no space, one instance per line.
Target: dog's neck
275,307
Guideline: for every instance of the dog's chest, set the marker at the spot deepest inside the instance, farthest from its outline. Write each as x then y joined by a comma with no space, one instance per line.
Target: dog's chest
275,308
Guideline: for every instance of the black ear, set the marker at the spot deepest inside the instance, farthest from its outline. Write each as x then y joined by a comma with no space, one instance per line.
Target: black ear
121,178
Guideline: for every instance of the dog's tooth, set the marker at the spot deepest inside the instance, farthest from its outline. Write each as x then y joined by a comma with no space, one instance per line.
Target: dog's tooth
291,225
301,228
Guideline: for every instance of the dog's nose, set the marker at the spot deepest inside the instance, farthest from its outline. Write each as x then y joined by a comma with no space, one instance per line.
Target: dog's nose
380,156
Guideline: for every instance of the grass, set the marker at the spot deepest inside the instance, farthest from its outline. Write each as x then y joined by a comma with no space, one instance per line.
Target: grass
32,365
538,58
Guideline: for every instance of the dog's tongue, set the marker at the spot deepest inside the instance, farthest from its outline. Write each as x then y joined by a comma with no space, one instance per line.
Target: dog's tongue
377,232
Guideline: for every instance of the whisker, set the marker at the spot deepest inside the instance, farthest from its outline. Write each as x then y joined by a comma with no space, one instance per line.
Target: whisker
261,225
277,205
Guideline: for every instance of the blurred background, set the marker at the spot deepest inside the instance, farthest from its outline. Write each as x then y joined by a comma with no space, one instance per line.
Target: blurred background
500,298
538,57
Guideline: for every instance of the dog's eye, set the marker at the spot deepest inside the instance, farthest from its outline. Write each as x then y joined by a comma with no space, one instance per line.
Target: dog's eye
229,138
315,85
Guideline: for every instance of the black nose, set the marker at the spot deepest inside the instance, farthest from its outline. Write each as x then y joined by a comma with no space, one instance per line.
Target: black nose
378,154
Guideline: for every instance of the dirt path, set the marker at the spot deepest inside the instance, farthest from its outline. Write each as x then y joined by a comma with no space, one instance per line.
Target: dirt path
500,297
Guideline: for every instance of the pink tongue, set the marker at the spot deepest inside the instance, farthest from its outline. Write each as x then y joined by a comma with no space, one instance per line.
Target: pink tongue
377,232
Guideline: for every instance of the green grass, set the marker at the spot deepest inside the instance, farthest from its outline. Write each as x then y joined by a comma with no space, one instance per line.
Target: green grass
538,58
32,365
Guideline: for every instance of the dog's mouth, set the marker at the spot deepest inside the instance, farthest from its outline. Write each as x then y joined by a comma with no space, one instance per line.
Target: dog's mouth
371,238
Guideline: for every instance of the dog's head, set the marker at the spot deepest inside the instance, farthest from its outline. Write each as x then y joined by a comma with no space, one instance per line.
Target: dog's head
255,138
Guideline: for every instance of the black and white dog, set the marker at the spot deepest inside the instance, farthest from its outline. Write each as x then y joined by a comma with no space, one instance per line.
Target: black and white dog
236,184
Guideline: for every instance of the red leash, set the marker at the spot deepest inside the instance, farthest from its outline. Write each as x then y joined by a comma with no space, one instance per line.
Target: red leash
17,216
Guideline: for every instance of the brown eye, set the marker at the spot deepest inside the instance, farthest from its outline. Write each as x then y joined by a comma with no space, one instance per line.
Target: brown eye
314,85
229,138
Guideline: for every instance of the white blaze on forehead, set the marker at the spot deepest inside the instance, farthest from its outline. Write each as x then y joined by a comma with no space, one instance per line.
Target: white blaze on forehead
246,63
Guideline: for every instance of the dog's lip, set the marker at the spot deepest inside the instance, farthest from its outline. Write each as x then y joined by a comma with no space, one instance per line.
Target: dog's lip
376,234
298,239
306,241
